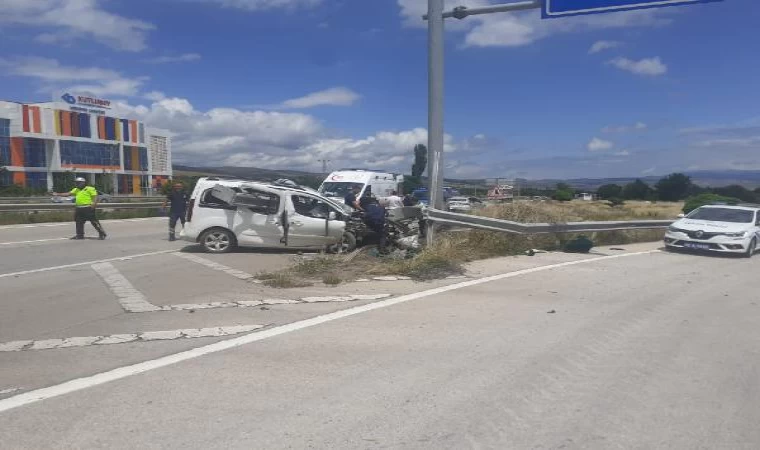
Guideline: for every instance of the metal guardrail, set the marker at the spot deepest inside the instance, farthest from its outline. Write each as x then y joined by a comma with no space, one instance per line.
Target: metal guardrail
69,206
114,198
487,223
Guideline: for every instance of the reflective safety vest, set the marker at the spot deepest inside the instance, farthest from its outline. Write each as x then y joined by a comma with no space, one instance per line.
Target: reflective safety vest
84,196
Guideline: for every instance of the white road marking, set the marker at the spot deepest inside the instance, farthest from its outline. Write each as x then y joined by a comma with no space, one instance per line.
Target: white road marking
9,391
88,341
390,278
68,224
32,242
220,267
273,301
87,263
130,299
146,366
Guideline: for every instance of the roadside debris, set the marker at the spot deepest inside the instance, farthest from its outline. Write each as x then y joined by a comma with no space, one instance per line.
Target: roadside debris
581,244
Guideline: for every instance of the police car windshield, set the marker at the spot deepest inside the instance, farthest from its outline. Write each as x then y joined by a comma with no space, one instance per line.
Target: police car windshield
723,215
338,189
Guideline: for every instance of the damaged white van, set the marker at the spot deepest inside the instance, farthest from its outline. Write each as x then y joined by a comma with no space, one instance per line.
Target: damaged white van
223,214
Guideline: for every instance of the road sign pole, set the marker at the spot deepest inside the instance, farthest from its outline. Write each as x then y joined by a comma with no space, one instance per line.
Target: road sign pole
435,108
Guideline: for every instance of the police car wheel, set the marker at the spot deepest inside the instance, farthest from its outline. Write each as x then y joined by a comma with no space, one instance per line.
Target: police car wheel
751,249
218,240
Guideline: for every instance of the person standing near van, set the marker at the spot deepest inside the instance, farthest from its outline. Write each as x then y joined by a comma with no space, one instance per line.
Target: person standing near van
394,201
86,200
177,200
351,198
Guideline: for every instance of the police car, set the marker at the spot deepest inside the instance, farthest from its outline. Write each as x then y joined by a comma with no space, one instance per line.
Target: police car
717,228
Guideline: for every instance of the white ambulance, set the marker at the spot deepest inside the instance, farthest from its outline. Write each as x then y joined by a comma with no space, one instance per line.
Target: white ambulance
378,184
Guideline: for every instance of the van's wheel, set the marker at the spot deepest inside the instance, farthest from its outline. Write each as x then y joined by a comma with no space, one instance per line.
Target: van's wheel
751,249
347,244
218,240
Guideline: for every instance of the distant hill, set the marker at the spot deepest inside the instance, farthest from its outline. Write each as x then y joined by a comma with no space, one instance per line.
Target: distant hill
707,178
747,178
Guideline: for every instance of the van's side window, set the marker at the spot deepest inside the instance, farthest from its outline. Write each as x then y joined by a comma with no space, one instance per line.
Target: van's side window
259,202
310,207
208,200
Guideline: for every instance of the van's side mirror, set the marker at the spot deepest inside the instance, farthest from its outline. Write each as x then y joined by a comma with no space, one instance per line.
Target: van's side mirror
332,216
681,216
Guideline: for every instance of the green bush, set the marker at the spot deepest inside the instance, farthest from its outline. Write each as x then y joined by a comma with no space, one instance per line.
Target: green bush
563,196
696,201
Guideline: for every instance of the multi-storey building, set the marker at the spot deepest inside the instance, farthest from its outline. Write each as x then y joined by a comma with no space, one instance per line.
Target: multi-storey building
42,144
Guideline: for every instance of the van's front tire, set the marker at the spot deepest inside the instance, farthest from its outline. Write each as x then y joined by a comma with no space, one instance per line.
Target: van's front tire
347,244
217,240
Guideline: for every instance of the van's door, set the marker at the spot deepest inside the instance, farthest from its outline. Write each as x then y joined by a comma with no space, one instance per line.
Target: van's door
310,224
259,218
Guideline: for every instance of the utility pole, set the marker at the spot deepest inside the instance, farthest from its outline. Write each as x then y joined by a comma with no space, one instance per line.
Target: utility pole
435,108
324,164
435,18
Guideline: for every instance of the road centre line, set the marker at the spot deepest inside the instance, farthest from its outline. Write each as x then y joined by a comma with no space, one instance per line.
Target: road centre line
86,263
87,341
220,267
34,241
146,366
9,391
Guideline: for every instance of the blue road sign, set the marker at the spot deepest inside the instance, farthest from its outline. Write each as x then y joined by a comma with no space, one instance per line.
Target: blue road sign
562,8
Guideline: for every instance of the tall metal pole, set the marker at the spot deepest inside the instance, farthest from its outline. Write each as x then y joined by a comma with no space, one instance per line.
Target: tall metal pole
435,107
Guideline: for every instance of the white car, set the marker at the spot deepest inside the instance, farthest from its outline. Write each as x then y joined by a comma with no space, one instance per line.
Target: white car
717,228
223,214
463,204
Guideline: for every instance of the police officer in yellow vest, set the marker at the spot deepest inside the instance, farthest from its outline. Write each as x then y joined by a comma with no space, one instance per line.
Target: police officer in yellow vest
86,200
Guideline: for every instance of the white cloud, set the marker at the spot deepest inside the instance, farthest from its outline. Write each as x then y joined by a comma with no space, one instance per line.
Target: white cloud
599,145
266,139
523,28
55,76
69,20
623,153
336,96
155,96
638,126
647,66
262,5
747,142
600,46
187,57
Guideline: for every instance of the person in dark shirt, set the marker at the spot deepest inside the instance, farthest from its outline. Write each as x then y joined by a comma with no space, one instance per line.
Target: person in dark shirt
351,198
177,199
374,217
409,200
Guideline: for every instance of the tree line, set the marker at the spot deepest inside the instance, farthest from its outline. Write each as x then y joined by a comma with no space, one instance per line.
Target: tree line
676,187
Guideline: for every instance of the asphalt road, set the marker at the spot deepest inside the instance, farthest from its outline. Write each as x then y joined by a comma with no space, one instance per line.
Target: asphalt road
644,350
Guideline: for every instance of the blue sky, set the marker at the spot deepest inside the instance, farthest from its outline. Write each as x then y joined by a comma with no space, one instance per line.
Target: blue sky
285,83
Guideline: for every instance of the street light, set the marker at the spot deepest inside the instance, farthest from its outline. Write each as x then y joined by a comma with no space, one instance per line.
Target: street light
435,18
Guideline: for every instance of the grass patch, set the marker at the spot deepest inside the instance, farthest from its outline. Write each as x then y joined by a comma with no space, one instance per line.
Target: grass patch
581,211
318,265
331,279
285,280
265,276
304,273
453,250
